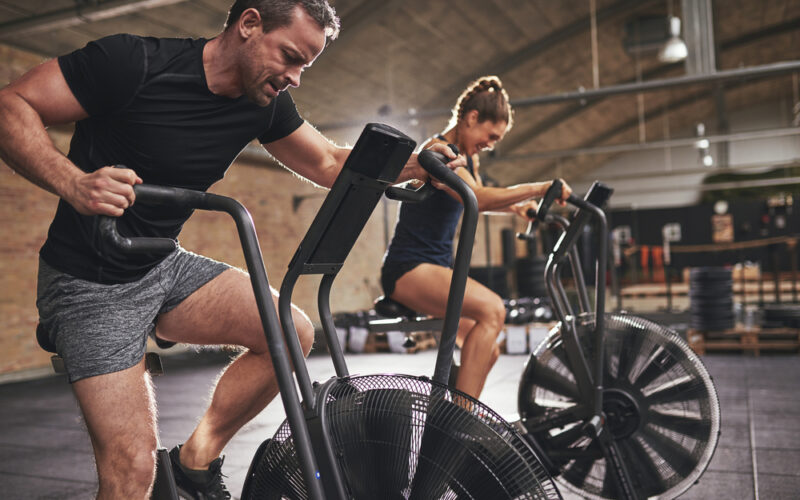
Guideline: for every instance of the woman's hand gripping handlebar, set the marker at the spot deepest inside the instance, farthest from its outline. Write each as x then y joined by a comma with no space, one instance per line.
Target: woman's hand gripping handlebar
553,193
400,193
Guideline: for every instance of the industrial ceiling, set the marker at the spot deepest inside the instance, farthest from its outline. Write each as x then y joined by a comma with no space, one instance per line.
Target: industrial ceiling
584,75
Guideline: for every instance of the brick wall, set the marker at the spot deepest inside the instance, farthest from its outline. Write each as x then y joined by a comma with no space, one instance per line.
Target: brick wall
267,192
24,215
26,211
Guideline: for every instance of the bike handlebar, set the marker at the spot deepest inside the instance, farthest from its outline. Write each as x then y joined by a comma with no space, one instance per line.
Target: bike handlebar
553,193
153,195
426,190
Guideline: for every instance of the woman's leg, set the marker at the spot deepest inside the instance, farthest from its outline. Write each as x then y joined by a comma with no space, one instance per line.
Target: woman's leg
425,288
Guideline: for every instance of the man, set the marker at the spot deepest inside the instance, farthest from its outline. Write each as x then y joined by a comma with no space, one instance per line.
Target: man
176,112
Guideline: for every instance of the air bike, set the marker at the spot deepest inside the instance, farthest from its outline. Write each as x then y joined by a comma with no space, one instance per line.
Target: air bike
371,436
616,406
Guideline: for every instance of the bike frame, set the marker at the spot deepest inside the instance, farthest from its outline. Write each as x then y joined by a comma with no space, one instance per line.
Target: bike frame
372,166
588,372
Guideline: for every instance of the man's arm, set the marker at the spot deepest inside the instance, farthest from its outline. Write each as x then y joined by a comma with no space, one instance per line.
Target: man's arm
41,98
309,154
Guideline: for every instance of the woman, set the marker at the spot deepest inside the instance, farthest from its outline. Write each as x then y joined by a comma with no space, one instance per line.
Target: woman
417,266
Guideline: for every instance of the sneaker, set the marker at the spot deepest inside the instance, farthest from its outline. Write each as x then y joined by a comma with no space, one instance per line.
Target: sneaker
199,484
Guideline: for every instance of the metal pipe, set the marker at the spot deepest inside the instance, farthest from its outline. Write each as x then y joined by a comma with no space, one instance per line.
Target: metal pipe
73,16
761,71
272,331
644,146
458,282
702,170
782,181
765,70
792,249
326,318
599,300
595,57
292,340
575,265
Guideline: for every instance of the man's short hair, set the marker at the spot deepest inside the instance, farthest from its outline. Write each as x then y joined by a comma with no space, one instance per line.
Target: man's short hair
278,13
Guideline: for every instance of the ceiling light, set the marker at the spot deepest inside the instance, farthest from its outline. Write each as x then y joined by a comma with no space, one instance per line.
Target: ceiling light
674,49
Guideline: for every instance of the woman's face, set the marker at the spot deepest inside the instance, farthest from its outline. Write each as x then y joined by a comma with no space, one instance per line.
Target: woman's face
482,136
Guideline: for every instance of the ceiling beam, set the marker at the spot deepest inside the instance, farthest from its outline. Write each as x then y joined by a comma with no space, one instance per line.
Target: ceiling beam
642,146
717,186
687,100
512,143
762,71
525,54
509,62
365,15
77,15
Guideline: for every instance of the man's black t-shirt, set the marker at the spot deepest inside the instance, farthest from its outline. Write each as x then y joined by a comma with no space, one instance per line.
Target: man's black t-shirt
150,109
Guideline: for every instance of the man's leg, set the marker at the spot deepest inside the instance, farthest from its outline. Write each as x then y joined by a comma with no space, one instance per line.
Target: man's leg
425,288
119,410
223,311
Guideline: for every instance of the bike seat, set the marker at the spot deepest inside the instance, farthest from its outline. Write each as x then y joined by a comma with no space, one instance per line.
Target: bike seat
43,338
152,359
387,307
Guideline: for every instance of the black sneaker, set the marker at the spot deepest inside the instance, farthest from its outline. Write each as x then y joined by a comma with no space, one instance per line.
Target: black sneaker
199,484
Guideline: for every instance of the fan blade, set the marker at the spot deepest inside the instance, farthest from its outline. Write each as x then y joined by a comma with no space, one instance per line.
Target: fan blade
609,488
556,418
548,378
678,457
691,427
628,353
560,353
641,465
659,361
567,437
577,471
688,390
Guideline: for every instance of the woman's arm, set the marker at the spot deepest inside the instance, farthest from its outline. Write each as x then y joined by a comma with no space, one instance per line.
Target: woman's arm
500,199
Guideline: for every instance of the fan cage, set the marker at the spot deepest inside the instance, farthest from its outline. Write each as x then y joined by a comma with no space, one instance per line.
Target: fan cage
400,436
663,346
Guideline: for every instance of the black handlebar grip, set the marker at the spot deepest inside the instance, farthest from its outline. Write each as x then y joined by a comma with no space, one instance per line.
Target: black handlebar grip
416,195
410,195
435,164
110,236
153,195
553,193
528,234
169,196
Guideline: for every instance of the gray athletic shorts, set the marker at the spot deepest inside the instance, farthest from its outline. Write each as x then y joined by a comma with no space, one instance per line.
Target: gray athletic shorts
101,329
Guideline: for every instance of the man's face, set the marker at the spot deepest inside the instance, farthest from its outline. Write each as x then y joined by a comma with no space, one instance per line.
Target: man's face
271,62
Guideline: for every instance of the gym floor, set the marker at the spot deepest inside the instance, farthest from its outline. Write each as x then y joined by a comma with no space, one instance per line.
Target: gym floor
45,452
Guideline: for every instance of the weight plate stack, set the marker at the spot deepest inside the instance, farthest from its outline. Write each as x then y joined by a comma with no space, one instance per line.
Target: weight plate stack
711,299
493,277
781,315
527,310
530,276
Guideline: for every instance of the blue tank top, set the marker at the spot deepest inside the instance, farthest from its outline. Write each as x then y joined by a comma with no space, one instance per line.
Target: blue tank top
424,231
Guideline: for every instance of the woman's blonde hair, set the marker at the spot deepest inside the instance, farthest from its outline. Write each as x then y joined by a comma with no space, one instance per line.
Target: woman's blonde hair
488,97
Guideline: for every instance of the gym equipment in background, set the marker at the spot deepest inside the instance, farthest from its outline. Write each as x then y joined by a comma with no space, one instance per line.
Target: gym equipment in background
617,406
374,436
